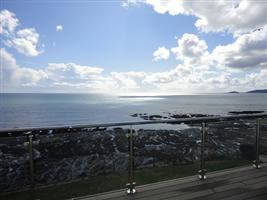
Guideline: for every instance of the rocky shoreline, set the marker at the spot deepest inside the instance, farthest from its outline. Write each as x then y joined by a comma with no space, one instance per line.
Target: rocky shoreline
167,115
80,154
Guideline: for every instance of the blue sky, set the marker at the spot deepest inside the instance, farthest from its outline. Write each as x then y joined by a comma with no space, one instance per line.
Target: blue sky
121,39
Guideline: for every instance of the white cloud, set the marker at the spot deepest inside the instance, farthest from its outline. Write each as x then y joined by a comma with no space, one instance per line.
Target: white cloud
8,22
192,51
200,72
128,3
161,53
72,70
236,16
216,71
14,75
25,42
124,82
127,80
247,51
257,80
166,77
66,77
73,77
55,74
59,28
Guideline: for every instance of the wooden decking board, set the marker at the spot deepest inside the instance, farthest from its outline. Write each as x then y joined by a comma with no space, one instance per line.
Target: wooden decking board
175,195
246,183
194,182
193,185
256,180
248,177
242,176
152,193
203,186
259,185
182,190
228,187
264,197
191,195
222,195
178,188
189,181
157,196
163,195
176,191
248,195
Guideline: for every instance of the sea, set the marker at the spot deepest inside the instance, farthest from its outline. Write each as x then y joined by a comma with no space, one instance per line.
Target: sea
42,110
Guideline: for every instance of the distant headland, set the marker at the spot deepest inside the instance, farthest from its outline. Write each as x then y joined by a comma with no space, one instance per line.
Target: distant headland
251,91
258,91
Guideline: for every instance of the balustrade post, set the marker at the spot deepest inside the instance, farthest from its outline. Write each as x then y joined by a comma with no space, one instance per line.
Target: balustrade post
30,140
131,185
256,162
29,145
202,171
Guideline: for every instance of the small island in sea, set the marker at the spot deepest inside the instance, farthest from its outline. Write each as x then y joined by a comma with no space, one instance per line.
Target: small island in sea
233,92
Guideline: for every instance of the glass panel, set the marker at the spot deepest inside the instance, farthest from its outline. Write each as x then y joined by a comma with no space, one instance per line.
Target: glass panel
14,164
165,151
263,140
230,144
80,162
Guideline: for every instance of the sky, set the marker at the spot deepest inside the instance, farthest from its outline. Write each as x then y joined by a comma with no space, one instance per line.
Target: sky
133,46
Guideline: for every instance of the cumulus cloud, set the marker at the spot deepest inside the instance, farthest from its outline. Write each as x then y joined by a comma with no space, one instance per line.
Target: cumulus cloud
166,77
245,19
191,50
128,3
161,53
54,74
236,16
257,80
8,22
59,71
14,75
74,77
208,72
247,51
127,80
59,28
25,42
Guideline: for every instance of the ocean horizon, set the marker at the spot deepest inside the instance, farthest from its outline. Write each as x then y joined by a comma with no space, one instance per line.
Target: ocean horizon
20,110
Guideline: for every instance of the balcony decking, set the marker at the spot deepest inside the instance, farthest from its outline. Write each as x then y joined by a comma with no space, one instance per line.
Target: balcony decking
233,184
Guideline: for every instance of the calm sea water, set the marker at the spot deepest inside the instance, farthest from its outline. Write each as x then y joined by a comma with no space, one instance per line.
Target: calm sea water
37,110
